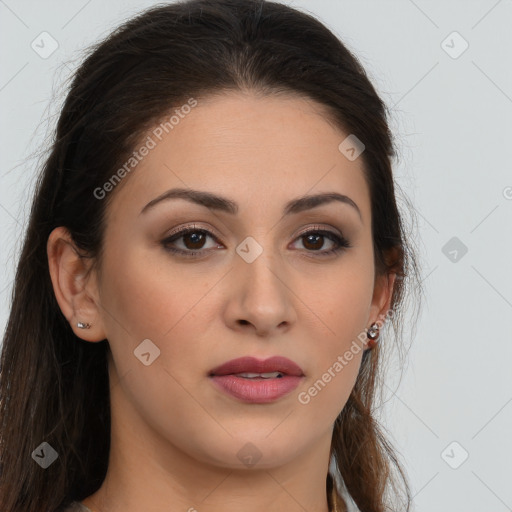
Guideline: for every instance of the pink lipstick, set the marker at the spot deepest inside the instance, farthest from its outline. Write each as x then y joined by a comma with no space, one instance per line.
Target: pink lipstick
257,381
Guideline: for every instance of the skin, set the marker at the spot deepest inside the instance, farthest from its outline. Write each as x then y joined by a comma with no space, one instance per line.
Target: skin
175,437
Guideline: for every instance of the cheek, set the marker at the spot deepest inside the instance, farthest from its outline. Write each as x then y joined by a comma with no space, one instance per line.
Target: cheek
335,362
147,293
341,301
343,308
148,298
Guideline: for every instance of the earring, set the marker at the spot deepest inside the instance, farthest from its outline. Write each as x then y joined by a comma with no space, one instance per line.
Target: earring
83,325
372,334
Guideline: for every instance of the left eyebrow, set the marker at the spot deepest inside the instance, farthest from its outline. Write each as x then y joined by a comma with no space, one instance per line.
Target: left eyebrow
220,203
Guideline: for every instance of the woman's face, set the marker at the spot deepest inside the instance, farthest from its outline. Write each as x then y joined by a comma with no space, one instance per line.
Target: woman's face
255,285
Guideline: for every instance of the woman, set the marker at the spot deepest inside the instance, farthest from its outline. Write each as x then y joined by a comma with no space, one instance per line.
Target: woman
213,252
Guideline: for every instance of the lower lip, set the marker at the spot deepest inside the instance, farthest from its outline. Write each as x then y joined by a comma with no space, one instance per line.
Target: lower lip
256,391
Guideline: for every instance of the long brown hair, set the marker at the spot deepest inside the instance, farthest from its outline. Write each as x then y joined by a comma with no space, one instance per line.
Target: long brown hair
54,386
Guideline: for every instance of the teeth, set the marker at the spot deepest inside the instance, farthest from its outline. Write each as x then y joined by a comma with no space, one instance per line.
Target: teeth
272,375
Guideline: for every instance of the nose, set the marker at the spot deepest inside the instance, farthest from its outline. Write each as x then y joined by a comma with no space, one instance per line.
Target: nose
260,296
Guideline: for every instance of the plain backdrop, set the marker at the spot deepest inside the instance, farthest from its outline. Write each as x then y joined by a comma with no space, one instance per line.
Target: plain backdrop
444,69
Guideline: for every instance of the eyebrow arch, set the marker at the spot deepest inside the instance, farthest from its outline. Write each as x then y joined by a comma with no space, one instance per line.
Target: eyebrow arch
216,202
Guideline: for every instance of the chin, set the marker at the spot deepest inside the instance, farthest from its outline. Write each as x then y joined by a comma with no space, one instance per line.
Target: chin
258,452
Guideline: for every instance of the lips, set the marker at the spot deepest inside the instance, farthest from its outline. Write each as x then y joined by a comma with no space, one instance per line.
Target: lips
279,364
256,381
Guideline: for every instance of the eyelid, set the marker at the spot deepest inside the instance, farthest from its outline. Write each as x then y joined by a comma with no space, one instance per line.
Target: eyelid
320,227
193,226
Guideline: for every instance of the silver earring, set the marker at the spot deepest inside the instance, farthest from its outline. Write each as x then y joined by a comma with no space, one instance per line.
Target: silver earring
373,331
83,325
372,334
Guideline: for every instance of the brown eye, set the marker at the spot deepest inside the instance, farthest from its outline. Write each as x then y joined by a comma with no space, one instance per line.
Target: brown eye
314,240
193,241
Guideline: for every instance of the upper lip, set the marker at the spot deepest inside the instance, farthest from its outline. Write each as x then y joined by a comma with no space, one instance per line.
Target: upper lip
254,365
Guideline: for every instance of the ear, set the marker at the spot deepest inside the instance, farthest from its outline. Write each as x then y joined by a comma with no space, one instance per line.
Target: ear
382,295
384,286
74,285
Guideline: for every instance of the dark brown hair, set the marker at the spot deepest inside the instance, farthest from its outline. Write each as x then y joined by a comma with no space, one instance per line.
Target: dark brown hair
53,385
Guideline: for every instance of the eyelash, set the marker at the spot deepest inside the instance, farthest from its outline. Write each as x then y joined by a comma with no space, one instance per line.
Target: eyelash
341,242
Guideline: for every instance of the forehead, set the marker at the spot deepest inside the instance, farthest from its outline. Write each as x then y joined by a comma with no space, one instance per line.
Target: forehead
260,150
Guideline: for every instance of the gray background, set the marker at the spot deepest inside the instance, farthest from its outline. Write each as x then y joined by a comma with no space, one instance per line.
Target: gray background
452,116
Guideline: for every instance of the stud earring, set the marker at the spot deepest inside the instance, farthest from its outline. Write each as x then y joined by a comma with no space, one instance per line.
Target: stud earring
373,335
83,325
